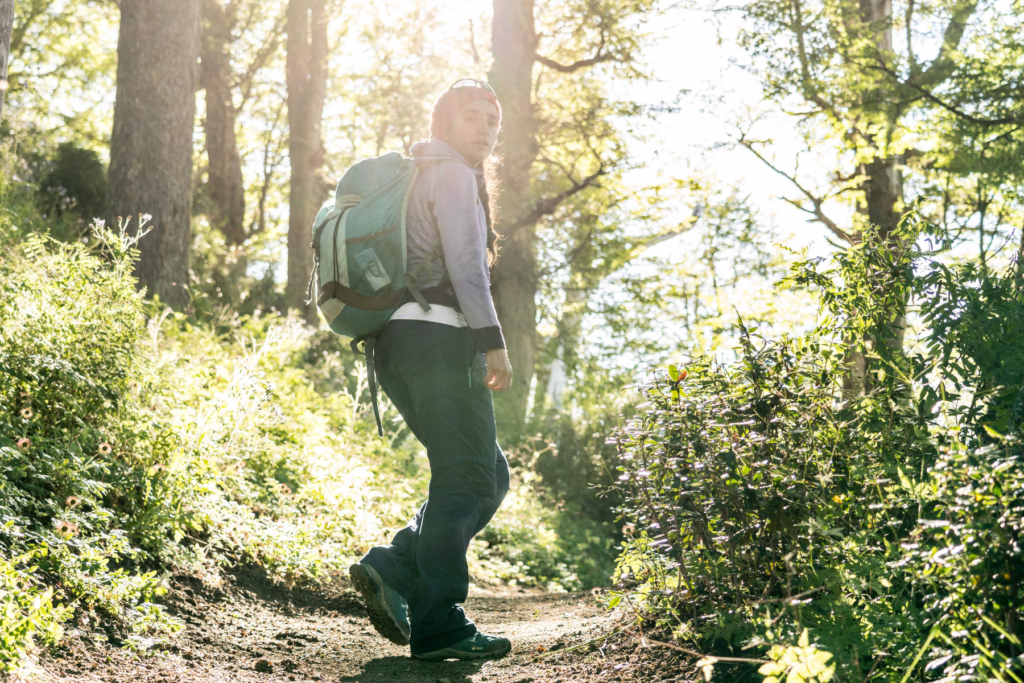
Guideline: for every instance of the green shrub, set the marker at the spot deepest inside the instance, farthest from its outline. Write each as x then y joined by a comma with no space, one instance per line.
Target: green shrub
74,443
975,332
532,542
767,504
27,612
74,183
966,561
743,481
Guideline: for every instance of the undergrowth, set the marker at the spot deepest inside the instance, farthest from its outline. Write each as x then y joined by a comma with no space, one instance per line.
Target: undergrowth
136,441
774,512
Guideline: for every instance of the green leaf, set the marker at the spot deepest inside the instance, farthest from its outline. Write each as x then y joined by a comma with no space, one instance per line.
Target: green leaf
904,479
993,433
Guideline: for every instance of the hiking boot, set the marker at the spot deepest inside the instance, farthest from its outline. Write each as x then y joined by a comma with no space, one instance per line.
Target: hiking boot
477,646
388,610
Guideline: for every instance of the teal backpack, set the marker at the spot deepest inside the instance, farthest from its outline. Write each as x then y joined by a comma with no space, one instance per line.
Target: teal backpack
359,247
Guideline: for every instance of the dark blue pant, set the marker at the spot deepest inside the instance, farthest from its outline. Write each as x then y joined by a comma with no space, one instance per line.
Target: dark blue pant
435,377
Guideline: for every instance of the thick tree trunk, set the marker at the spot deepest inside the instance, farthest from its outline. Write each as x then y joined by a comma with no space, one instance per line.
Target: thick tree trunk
151,142
225,184
883,194
514,44
6,27
306,76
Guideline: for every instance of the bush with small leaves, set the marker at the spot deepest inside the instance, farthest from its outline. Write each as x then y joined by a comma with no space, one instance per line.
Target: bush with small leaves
773,501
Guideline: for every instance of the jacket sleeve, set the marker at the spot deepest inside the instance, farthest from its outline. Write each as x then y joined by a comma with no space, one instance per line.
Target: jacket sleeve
463,233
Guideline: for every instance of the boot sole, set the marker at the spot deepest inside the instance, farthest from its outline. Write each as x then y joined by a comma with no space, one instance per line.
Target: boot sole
376,608
450,653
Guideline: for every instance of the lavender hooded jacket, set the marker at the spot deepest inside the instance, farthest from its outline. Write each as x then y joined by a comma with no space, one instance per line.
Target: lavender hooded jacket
445,204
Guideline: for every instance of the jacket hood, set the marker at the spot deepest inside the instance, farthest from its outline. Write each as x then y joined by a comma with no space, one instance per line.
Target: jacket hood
434,149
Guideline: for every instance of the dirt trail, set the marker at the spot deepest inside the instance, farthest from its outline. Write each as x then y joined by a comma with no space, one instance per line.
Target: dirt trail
252,630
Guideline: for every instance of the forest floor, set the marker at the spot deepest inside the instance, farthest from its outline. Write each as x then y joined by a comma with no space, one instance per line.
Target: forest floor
254,631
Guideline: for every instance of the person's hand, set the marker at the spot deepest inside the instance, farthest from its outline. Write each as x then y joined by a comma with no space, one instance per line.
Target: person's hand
499,370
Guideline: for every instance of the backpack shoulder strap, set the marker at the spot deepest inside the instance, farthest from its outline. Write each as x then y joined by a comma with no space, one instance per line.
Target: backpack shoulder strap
410,277
369,351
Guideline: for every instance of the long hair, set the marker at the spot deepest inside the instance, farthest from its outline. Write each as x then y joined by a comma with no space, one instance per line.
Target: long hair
445,109
489,198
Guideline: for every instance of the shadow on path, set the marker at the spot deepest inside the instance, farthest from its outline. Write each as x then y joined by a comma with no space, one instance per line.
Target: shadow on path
406,670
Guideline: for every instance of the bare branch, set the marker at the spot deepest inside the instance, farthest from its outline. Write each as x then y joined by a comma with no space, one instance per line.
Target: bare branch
647,642
472,44
567,172
259,222
599,56
245,82
575,66
806,81
816,202
698,211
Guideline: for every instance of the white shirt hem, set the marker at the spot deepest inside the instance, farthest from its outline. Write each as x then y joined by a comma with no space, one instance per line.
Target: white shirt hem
445,315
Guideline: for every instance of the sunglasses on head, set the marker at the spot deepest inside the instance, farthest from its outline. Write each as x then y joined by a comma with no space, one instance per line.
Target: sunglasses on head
472,83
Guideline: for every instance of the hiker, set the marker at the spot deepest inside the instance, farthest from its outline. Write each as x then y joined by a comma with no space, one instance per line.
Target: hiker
439,367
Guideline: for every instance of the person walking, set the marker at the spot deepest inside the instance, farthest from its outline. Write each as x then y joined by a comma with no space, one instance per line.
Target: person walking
439,368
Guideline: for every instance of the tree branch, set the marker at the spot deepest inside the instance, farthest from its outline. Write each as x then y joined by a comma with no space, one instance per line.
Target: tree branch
816,202
575,66
806,81
698,211
599,56
245,82
546,207
472,44
927,94
259,222
938,71
18,34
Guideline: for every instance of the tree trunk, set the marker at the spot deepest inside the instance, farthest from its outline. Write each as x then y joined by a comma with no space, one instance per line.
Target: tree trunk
226,188
883,184
883,190
151,142
883,196
515,281
6,27
1020,254
877,14
306,77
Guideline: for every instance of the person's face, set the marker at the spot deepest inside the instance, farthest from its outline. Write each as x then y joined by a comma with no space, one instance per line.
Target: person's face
474,131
